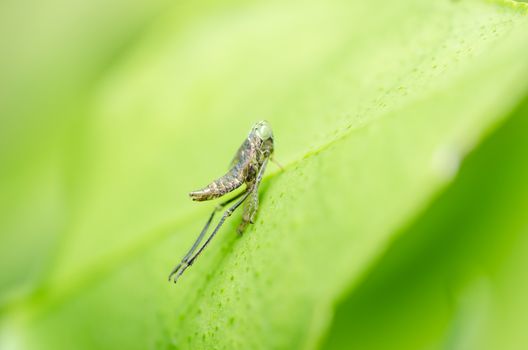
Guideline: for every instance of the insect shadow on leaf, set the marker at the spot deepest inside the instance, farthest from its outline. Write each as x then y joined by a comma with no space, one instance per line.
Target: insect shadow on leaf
247,168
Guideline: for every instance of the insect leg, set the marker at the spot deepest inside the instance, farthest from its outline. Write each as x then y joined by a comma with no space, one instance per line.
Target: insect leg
219,207
249,209
252,206
188,262
261,173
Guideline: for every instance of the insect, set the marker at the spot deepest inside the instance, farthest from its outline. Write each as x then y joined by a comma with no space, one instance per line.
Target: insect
247,167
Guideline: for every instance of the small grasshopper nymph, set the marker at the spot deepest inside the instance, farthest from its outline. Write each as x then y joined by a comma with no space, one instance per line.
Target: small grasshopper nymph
247,167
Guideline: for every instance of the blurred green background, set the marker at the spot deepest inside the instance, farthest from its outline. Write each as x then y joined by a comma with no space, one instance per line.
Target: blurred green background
399,220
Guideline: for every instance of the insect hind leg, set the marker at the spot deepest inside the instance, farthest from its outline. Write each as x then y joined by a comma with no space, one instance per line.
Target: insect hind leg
188,260
185,261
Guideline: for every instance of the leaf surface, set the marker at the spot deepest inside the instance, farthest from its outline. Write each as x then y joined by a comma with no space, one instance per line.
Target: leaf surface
373,110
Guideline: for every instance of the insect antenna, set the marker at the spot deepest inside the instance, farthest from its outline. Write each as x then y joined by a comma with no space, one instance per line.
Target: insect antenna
274,161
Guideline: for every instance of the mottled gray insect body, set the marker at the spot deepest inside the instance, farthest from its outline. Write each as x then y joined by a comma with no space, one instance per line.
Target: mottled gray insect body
255,149
247,168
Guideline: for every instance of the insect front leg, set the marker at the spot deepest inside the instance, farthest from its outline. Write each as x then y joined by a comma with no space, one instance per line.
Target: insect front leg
251,208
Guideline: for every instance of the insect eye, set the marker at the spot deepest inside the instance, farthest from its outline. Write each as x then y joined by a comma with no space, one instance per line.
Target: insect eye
264,131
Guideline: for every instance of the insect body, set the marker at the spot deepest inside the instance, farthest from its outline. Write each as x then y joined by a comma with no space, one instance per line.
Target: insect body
247,167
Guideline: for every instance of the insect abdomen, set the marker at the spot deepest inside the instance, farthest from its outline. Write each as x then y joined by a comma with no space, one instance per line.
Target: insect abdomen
218,187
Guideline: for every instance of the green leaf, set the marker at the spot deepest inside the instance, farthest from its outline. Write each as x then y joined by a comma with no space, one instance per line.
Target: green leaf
373,110
455,278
